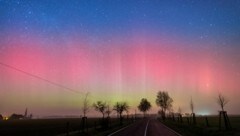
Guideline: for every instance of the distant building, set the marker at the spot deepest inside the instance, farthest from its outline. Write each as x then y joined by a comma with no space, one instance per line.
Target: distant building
16,116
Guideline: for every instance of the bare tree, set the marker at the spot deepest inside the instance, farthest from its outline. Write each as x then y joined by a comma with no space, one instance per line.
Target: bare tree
164,101
192,110
86,104
144,106
222,101
85,109
101,107
191,106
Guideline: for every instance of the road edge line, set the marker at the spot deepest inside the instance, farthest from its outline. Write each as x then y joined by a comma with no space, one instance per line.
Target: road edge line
145,133
171,129
119,130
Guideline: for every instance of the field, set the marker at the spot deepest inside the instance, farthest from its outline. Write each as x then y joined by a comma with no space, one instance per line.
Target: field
202,128
49,127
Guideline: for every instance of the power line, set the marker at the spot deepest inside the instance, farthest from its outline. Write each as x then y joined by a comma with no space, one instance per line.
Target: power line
40,78
43,79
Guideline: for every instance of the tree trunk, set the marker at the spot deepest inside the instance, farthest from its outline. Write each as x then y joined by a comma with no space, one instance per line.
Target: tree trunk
121,119
164,114
194,119
206,119
84,124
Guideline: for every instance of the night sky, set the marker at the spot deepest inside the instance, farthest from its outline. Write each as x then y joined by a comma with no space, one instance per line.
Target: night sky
118,50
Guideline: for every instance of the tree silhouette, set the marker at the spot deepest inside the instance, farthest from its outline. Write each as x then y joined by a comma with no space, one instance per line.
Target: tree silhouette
144,106
1,117
191,106
108,111
85,109
164,101
120,107
192,110
101,107
222,101
86,105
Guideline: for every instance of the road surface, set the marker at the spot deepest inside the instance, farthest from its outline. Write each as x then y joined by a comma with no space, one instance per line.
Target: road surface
147,127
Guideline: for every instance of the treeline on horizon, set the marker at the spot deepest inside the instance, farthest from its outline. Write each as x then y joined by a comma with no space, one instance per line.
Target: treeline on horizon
163,100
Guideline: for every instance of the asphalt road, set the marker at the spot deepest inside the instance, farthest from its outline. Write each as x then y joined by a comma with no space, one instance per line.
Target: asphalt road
147,127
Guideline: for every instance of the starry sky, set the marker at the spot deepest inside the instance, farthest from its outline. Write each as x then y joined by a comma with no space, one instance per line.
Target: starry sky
54,51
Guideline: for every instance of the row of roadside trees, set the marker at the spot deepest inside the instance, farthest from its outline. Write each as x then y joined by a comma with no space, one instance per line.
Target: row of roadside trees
163,100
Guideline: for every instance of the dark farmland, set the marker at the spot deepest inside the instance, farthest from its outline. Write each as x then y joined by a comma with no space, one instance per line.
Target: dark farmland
50,127
202,128
47,127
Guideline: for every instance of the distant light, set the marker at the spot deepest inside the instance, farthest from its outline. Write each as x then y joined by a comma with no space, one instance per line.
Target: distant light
204,113
5,118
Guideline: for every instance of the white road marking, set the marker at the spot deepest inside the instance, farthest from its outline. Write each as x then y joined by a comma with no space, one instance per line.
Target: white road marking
145,134
119,130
